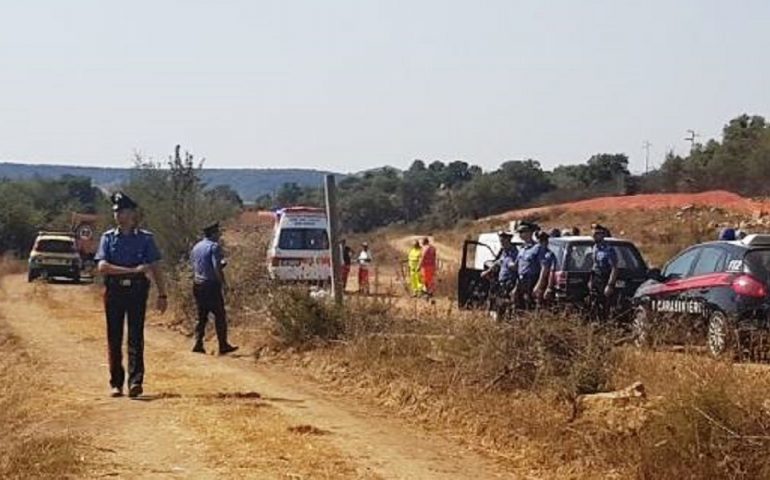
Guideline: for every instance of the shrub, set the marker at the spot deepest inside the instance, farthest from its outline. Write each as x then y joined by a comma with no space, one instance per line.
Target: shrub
299,320
541,350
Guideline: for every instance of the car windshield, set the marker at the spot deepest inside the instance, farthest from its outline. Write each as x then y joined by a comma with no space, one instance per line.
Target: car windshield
758,263
581,257
303,239
55,246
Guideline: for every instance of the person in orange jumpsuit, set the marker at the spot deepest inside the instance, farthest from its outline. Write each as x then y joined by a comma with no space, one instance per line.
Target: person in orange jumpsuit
428,264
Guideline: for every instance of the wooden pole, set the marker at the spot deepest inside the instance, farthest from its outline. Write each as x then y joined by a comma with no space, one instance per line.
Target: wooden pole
330,187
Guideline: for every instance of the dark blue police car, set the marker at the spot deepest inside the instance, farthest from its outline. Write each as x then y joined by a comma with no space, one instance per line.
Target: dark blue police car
719,290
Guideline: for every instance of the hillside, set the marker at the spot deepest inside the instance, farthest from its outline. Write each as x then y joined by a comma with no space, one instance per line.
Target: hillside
248,182
716,198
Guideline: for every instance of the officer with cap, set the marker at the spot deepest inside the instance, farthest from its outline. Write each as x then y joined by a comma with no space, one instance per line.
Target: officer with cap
128,259
605,270
208,265
505,267
533,266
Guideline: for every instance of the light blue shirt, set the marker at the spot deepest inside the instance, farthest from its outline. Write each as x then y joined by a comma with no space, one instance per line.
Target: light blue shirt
206,257
532,259
507,262
127,249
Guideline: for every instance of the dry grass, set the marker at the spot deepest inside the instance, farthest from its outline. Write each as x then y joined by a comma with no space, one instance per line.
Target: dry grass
511,390
10,265
30,448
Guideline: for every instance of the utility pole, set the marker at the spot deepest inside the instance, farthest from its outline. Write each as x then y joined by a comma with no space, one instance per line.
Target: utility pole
691,138
330,188
646,146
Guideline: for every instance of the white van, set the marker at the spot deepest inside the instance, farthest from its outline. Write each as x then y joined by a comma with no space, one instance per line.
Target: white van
299,250
490,248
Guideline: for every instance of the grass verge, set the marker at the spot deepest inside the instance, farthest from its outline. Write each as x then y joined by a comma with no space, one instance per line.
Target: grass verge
30,447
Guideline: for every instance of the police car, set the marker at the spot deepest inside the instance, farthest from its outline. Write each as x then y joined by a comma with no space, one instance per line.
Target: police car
717,289
299,250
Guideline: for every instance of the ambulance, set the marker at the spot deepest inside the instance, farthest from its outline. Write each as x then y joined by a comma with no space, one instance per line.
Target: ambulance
299,250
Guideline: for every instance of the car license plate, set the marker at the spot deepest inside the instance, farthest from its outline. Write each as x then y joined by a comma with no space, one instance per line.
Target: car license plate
291,262
55,261
620,284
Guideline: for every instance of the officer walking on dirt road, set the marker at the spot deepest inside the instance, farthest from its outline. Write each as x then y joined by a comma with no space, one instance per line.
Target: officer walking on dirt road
128,258
209,280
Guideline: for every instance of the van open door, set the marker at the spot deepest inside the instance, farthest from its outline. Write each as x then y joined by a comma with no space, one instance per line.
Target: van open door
472,290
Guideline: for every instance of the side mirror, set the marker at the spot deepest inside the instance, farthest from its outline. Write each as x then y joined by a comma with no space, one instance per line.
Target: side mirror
655,274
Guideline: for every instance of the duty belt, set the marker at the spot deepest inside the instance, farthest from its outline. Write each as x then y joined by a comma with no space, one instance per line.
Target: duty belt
126,281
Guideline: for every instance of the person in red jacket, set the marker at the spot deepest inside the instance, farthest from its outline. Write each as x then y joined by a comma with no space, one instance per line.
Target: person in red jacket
428,264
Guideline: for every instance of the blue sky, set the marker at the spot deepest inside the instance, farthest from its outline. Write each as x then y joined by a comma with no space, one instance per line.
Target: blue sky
353,84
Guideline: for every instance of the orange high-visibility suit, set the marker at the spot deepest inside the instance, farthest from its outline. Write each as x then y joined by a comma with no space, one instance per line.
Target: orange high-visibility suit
428,264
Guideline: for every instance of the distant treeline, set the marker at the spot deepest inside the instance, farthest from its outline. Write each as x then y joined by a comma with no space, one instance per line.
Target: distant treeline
440,194
739,163
435,194
248,182
27,206
176,204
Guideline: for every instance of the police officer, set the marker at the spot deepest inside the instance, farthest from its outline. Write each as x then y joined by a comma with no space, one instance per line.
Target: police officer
505,268
605,270
208,265
128,258
533,267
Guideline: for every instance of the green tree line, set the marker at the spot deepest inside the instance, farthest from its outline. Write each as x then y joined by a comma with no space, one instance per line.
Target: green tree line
29,206
439,194
175,203
740,162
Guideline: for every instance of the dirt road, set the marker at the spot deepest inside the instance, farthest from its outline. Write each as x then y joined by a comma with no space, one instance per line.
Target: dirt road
208,417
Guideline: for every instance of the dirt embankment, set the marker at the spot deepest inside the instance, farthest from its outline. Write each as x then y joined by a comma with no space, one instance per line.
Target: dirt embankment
717,198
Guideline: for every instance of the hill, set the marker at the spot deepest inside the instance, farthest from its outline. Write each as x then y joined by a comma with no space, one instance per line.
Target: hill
248,182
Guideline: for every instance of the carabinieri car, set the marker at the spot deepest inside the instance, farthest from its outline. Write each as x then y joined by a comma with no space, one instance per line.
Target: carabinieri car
719,289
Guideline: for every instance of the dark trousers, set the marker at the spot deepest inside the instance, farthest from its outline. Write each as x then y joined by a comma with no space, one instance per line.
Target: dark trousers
522,295
209,299
500,297
123,303
601,306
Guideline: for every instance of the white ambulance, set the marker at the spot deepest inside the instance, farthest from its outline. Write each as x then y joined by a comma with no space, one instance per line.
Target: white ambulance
299,250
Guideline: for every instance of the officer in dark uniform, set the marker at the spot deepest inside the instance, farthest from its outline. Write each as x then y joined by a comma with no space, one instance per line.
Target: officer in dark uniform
128,258
533,267
208,282
505,268
605,271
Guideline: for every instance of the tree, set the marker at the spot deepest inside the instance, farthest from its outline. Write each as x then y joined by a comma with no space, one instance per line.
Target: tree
174,203
225,194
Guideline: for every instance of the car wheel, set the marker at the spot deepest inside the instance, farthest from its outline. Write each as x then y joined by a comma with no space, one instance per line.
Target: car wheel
641,327
31,276
720,335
